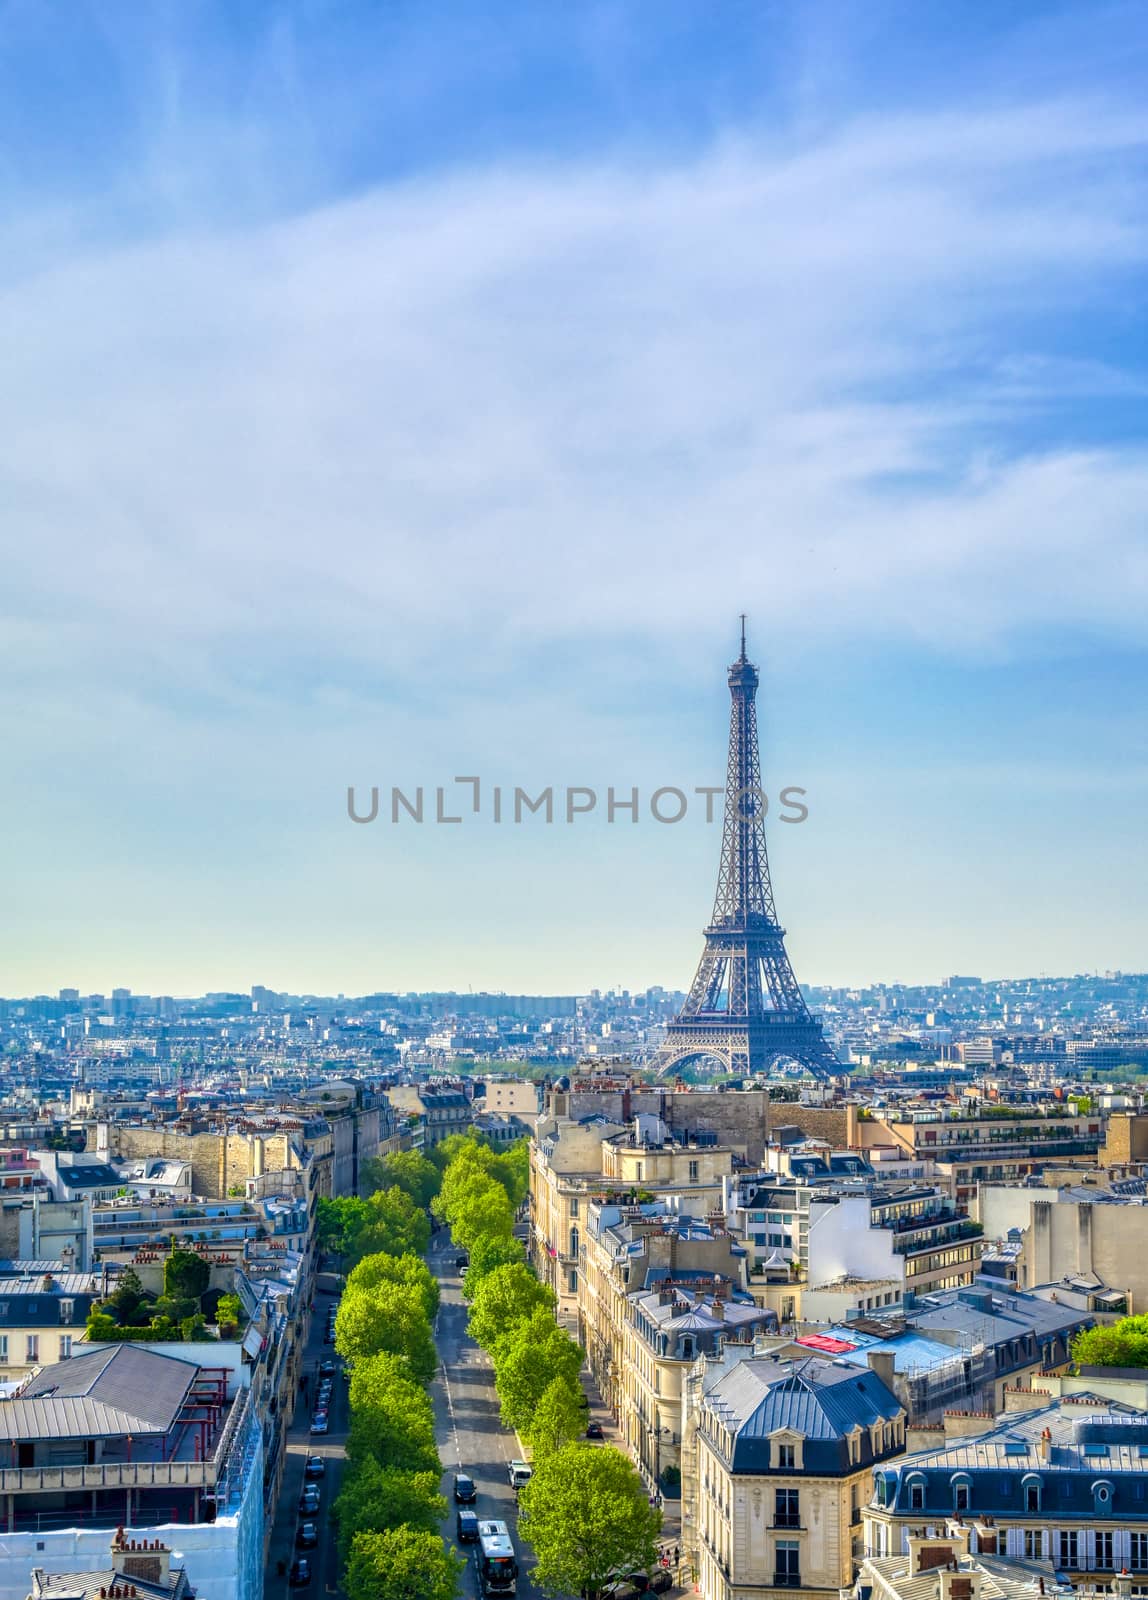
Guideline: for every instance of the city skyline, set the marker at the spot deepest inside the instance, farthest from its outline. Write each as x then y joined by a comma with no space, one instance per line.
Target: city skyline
397,393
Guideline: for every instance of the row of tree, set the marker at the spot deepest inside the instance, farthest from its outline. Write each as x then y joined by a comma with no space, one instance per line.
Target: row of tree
390,1507
585,1510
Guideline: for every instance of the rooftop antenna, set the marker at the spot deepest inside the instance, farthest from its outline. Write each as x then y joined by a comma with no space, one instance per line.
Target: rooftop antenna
743,635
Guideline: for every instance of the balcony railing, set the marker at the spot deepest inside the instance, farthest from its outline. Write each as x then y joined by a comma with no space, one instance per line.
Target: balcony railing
109,1475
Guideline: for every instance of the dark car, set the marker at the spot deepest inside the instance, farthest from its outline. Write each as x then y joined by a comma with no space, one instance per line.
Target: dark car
327,1368
466,1524
300,1573
594,1430
309,1500
461,1263
315,1468
307,1536
465,1493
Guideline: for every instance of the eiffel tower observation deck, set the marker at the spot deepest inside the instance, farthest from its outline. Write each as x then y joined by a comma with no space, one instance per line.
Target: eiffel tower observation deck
745,1012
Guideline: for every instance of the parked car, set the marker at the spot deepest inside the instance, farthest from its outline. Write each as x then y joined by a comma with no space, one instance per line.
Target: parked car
520,1474
318,1425
461,1263
309,1500
466,1527
307,1535
300,1573
326,1368
594,1430
316,1467
465,1493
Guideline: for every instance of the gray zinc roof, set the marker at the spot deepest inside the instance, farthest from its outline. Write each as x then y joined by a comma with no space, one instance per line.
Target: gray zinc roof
114,1391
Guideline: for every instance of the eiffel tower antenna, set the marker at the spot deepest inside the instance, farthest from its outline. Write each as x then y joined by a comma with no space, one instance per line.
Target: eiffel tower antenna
745,1008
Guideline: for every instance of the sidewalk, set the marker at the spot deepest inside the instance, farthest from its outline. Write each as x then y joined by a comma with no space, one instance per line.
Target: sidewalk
670,1538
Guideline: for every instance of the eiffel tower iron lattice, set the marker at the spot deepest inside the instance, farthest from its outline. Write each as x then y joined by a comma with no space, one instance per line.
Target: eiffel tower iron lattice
745,1009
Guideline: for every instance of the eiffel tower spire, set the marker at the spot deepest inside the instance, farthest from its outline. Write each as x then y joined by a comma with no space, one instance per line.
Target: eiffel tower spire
745,1008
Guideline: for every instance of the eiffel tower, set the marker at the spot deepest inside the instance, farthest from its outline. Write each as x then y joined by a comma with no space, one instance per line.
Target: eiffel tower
744,1008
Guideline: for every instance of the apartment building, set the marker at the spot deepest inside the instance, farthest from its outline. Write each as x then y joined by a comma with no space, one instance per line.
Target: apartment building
42,1316
667,1328
1063,1482
785,1457
565,1175
827,1231
968,1148
127,1438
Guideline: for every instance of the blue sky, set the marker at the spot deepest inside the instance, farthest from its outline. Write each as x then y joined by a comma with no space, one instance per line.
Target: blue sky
400,391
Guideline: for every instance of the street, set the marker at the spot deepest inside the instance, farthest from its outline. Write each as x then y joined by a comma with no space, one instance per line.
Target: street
467,1428
282,1550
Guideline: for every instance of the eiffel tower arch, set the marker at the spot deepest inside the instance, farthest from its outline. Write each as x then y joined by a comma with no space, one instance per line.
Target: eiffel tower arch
745,1009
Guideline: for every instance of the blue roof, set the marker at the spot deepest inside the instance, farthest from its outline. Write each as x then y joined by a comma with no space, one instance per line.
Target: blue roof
822,1401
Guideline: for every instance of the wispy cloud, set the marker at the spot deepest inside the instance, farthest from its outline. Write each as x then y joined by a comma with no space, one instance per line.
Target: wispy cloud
553,394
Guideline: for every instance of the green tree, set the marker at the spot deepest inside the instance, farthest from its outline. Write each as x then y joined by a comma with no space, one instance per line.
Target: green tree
459,1146
468,1167
485,1256
408,1170
526,1361
512,1169
229,1309
402,1564
504,1297
126,1301
186,1276
392,1417
559,1417
1120,1344
394,1225
389,1318
586,1513
338,1223
376,1497
409,1270
486,1213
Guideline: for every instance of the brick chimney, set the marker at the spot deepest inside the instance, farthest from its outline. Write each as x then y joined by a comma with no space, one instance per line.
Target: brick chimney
149,1559
965,1424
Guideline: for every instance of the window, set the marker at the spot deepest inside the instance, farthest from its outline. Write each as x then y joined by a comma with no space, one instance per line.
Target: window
65,1347
32,1351
786,1510
694,1171
962,1494
1031,1494
1138,1552
917,1495
67,1311
787,1563
639,1170
574,1205
787,1457
3,1347
573,1283
1069,1551
1033,1544
1103,1558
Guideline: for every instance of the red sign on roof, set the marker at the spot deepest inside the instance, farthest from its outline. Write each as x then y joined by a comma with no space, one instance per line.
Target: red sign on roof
822,1342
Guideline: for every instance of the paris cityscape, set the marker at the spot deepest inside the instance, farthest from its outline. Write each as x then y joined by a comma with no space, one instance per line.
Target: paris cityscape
574,983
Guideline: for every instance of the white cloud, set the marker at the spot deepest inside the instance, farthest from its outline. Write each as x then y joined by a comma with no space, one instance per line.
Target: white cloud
569,400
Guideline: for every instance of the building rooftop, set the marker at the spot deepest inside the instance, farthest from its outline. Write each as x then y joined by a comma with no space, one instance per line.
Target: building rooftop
116,1391
822,1401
